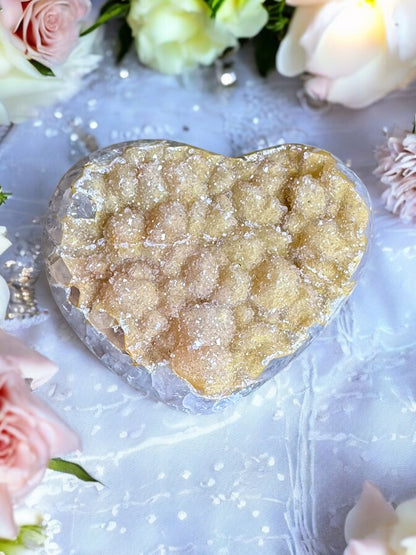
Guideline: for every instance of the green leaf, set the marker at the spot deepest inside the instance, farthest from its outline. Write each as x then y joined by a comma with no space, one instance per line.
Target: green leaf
125,39
29,539
279,16
110,10
110,3
214,6
265,44
43,70
67,467
3,196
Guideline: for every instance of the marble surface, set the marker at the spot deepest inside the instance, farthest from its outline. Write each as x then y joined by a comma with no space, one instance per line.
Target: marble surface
278,472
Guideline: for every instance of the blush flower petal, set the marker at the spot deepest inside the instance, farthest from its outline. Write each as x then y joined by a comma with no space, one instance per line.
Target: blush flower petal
371,512
363,50
30,434
367,547
373,527
15,355
8,528
367,85
10,13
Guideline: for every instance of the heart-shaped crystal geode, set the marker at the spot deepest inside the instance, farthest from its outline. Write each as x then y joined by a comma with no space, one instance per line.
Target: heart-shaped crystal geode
190,273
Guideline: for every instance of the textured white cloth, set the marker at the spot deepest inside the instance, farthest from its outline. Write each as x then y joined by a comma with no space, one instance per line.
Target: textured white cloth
278,472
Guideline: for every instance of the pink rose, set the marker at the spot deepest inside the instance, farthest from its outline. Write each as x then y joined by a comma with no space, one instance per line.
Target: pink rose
45,30
30,435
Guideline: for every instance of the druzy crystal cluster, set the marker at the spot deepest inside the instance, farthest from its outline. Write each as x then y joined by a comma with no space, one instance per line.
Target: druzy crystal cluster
203,267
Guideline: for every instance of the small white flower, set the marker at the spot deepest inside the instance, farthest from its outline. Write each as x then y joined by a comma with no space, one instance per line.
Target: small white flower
4,241
4,289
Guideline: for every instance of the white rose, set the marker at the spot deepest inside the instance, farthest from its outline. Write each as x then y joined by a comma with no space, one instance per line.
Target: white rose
356,51
24,90
4,297
4,289
173,36
244,18
373,527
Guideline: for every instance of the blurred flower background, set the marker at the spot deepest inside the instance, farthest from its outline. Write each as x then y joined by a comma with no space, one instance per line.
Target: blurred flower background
350,52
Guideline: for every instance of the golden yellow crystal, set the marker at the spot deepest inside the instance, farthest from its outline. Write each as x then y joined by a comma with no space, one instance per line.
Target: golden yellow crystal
209,264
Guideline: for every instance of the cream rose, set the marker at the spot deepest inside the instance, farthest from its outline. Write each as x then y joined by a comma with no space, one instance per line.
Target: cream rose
30,435
45,30
24,90
373,527
244,18
174,36
356,50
